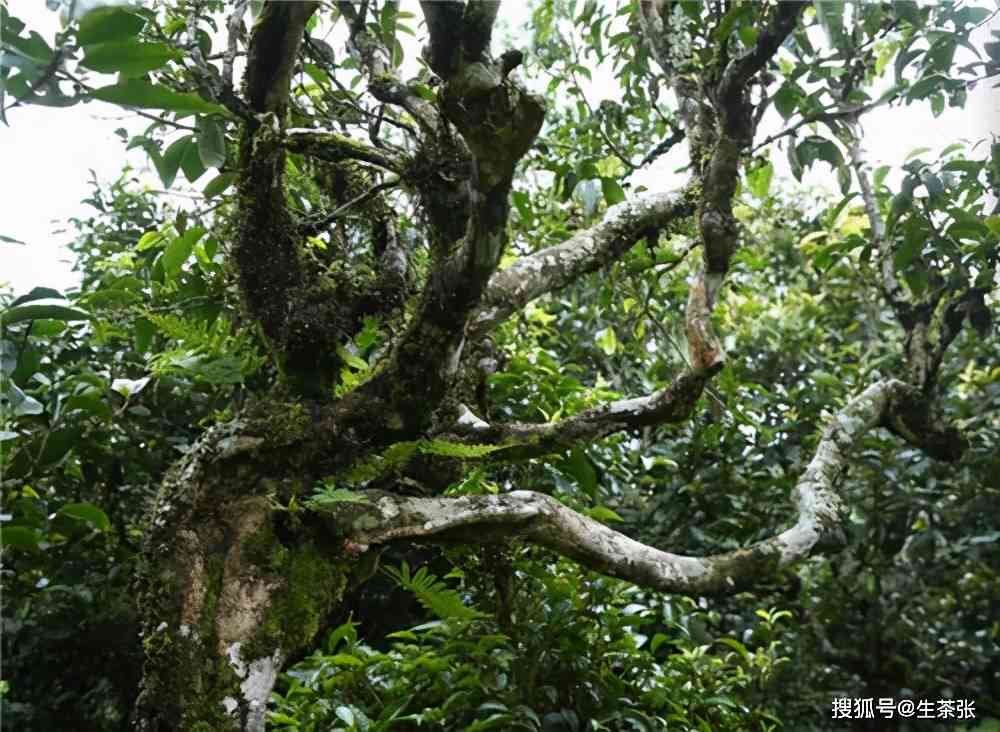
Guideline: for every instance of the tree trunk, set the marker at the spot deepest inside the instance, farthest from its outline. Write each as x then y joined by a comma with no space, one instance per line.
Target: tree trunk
233,580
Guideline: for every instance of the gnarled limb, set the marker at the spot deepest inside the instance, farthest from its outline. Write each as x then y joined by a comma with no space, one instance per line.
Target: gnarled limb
497,120
542,520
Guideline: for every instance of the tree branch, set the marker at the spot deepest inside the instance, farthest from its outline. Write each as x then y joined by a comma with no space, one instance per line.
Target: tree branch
383,82
477,23
521,441
444,20
335,147
891,287
272,280
497,120
275,44
542,520
586,251
322,223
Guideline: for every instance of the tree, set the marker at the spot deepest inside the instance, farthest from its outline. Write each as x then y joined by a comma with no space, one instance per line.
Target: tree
365,238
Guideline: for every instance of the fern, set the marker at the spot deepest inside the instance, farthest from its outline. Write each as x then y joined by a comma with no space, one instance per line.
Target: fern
457,449
208,351
329,496
433,594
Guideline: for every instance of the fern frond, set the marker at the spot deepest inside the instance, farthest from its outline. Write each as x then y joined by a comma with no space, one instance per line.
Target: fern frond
433,594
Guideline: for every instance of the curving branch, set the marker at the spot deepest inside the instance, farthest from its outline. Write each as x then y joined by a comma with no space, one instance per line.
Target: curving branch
735,132
336,147
544,521
586,251
520,441
930,323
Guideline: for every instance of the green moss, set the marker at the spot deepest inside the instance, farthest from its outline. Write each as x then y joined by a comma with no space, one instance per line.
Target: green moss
263,549
314,584
283,423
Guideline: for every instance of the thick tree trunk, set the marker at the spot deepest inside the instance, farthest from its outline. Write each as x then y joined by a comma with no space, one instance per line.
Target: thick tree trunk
231,583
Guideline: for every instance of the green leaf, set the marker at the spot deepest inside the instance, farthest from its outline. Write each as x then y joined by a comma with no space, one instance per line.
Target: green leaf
327,497
933,185
786,100
759,180
993,224
168,165
179,250
579,466
604,515
191,163
128,58
613,192
150,240
20,537
87,512
108,24
211,142
355,362
343,713
907,251
458,450
219,184
144,332
607,341
815,148
143,95
44,308
916,153
926,86
748,35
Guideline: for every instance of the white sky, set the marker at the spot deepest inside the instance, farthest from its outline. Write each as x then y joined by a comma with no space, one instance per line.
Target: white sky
47,154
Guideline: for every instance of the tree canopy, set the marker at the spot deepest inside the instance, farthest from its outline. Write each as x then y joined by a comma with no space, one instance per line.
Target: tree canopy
429,407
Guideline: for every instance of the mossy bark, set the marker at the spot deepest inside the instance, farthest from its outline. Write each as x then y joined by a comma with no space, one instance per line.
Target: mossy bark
231,582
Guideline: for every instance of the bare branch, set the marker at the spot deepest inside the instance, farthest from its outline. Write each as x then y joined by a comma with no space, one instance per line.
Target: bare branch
311,228
525,440
335,147
586,251
542,520
234,29
739,71
893,290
